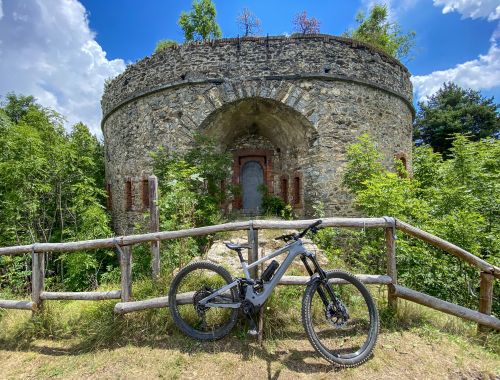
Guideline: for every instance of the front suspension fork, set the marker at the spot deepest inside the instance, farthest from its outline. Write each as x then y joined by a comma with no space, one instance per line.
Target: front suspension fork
322,277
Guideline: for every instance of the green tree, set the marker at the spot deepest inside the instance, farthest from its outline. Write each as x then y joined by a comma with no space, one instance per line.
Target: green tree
190,193
16,106
452,110
51,190
164,44
200,23
375,29
457,199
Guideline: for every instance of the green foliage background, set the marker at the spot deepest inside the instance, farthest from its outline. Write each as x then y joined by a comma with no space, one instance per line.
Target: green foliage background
51,190
191,195
457,199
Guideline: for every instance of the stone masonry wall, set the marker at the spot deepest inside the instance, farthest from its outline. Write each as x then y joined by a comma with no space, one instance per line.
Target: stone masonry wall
316,95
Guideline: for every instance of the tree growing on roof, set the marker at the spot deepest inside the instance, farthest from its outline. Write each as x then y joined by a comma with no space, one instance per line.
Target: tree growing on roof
305,25
200,23
248,23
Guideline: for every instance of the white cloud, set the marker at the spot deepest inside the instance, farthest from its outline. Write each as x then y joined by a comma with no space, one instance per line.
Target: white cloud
480,73
489,9
48,50
1,10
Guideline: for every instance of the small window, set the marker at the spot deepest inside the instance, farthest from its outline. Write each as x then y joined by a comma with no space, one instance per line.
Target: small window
109,199
296,190
284,189
404,161
128,195
145,194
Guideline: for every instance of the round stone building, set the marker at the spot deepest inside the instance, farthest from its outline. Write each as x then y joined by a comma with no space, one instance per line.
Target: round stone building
286,108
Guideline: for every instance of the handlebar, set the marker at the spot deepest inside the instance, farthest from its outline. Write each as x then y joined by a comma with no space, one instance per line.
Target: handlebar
296,236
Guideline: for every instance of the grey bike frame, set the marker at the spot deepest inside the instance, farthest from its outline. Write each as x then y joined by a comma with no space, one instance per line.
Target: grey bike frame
257,299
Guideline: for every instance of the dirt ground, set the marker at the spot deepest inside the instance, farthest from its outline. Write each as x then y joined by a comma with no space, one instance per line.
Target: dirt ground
399,355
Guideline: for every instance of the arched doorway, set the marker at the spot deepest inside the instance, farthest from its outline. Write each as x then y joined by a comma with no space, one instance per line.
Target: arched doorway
252,178
275,137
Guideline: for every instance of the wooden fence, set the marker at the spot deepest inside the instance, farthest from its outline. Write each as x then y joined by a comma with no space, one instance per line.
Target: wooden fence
123,244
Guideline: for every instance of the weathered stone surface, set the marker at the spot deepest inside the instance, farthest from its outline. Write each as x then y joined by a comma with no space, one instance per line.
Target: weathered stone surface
305,99
220,254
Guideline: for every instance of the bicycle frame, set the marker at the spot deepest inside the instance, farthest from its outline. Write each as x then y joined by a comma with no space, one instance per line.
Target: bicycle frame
258,299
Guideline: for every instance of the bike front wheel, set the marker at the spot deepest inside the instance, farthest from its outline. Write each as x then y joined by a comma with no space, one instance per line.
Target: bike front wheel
192,284
343,329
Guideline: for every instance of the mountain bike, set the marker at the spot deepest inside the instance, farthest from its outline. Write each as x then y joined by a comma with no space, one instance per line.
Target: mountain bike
338,313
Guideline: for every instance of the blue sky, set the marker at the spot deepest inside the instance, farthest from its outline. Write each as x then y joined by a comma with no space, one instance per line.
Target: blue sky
61,51
442,40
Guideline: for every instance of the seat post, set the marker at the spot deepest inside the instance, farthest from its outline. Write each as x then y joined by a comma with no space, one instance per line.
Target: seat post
240,255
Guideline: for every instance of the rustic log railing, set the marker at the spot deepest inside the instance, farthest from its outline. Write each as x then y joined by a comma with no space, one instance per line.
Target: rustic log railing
123,244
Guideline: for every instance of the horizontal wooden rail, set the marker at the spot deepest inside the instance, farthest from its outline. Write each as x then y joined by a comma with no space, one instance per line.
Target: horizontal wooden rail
82,296
166,235
185,298
446,307
364,278
448,247
15,304
326,222
152,303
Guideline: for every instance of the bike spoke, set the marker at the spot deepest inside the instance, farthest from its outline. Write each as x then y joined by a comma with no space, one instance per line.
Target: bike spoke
195,317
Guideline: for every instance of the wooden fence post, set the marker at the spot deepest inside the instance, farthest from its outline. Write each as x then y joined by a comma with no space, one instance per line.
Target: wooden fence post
253,256
126,272
37,279
253,253
390,246
154,216
485,297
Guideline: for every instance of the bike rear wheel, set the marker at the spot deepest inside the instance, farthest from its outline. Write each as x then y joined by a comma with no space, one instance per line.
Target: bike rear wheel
193,283
345,332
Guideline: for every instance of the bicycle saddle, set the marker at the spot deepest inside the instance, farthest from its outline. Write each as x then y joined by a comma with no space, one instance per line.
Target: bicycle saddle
237,247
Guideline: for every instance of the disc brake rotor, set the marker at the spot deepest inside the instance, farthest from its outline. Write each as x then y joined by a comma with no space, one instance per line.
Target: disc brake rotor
336,314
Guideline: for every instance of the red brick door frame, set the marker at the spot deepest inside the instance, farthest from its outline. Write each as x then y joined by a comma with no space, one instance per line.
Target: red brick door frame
241,157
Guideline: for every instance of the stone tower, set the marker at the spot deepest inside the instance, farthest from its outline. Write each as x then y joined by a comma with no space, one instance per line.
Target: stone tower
285,107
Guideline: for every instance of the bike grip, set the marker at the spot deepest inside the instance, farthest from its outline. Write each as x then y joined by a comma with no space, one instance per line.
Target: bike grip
317,223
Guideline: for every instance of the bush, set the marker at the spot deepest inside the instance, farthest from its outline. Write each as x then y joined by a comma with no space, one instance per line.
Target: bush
457,199
190,194
164,44
273,205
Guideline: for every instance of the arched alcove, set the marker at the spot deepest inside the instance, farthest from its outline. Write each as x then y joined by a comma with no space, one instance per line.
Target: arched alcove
285,127
267,132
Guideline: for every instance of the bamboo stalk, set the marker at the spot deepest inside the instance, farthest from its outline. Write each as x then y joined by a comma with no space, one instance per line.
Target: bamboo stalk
446,307
83,296
448,247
